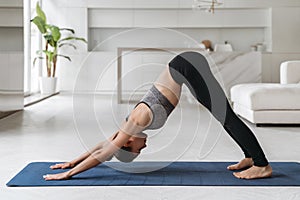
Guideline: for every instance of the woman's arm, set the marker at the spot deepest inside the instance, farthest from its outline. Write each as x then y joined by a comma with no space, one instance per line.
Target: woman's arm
135,124
94,159
81,157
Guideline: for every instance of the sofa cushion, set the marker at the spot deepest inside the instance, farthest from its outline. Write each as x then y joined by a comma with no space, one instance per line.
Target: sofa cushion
290,72
267,96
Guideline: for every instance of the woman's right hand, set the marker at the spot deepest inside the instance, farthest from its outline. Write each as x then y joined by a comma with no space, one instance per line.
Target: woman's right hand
62,165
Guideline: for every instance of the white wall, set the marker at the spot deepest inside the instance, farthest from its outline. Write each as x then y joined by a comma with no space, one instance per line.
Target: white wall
242,28
285,40
270,29
286,29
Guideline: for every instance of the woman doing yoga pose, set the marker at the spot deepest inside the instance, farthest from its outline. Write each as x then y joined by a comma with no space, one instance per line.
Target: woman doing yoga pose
191,69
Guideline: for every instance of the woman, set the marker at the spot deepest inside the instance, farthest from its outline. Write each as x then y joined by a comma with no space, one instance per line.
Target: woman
192,69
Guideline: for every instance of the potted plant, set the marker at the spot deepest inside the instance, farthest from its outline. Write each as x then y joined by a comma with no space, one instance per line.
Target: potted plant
53,42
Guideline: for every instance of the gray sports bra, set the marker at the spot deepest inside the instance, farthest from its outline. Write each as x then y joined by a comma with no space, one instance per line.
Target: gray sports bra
160,106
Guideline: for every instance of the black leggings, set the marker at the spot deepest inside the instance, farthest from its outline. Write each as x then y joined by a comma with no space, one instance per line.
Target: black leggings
192,69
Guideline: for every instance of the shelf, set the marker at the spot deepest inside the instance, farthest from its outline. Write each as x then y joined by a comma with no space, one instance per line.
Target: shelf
11,39
11,3
180,27
179,18
11,66
112,38
11,17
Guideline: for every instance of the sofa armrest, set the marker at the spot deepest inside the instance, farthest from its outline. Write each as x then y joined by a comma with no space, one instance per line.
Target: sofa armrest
290,72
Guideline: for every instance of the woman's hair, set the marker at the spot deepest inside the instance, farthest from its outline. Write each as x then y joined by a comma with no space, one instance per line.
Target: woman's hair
124,154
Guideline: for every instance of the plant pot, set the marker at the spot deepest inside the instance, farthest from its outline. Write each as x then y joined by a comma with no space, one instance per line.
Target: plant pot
48,85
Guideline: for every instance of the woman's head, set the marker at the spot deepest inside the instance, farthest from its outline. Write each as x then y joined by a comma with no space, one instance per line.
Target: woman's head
132,148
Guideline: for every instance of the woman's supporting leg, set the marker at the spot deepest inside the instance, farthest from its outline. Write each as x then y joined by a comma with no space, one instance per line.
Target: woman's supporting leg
192,69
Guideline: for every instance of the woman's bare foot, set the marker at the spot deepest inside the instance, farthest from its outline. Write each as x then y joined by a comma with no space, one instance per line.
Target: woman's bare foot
246,162
255,172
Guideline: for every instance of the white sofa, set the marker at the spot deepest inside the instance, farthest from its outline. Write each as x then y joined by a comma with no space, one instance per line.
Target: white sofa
270,103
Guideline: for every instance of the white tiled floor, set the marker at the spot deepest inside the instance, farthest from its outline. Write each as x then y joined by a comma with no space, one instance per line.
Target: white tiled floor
47,132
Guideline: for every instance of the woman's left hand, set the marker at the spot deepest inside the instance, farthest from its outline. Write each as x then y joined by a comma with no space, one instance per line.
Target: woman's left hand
60,176
62,165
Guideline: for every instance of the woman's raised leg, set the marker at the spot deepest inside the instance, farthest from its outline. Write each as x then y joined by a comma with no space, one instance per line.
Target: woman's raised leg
192,69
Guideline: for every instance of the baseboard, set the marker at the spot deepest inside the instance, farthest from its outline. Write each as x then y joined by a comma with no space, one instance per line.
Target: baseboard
8,113
277,125
35,98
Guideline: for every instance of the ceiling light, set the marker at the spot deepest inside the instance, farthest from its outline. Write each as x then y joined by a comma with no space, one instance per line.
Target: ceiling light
207,5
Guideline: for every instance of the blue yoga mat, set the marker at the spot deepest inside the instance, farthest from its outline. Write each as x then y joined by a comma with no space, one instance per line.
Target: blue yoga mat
175,174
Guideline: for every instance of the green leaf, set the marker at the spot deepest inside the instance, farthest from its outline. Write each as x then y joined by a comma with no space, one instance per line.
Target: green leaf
68,44
39,52
40,12
48,37
34,61
50,55
68,29
53,43
67,57
55,33
50,58
40,23
73,38
50,40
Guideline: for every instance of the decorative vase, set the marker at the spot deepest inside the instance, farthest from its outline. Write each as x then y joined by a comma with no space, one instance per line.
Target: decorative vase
48,85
